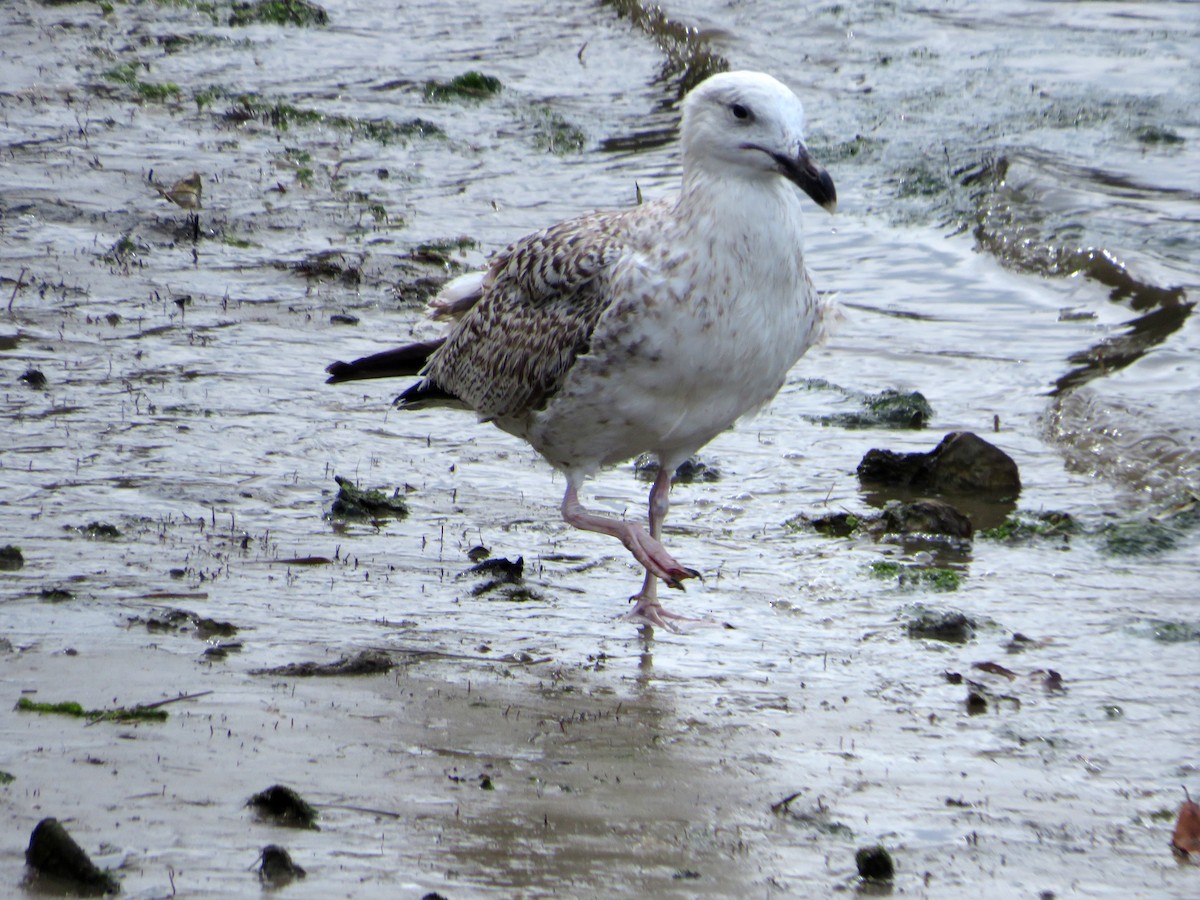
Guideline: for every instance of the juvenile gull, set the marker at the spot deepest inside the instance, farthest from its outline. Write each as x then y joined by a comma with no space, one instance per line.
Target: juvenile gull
649,329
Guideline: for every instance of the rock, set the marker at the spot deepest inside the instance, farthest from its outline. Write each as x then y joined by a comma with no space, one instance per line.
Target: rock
941,625
284,806
923,517
11,558
277,867
354,503
874,864
53,852
33,377
963,463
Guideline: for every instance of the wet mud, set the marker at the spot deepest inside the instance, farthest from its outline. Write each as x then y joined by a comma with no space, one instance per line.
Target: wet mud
1009,715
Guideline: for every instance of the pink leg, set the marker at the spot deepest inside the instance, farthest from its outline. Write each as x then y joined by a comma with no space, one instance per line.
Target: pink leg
645,548
647,610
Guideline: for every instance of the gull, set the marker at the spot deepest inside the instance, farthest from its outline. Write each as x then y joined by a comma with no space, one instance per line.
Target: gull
650,329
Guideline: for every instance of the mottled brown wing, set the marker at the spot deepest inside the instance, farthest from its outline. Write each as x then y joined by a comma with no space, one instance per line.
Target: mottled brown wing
541,300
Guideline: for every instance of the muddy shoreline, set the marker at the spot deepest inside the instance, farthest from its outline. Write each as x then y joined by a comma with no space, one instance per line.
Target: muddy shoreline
170,478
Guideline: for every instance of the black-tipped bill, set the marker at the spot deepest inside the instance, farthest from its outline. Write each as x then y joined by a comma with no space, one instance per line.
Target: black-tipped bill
809,177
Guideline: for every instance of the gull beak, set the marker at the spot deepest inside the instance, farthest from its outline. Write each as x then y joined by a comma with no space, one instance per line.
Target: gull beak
802,171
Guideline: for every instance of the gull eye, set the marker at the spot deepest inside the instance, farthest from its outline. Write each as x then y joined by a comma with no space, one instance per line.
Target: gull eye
741,112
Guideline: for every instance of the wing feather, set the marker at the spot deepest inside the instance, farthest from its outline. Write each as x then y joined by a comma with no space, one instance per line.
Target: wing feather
537,309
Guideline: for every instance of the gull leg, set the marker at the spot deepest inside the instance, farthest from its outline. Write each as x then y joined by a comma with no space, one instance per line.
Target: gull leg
645,548
647,610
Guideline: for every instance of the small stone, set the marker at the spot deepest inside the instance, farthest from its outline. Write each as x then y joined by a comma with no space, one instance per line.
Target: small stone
284,807
52,851
277,866
874,864
11,558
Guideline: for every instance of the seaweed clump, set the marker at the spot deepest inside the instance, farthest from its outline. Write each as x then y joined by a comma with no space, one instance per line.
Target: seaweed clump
278,12
468,86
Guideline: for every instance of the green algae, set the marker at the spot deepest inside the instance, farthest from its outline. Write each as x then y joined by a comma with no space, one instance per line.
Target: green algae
301,13
71,708
468,86
914,576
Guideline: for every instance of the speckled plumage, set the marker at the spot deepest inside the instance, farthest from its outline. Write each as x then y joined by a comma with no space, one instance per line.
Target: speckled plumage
649,329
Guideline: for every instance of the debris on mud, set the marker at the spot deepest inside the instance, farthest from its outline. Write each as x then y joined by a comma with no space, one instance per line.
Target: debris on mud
924,517
353,503
874,864
995,669
139,713
1151,535
329,265
278,12
949,625
181,620
55,595
817,817
99,531
1169,632
917,519
468,86
343,319
283,806
53,852
1026,526
11,558
690,471
366,662
1185,841
276,866
33,377
963,463
887,409
222,650
417,289
504,575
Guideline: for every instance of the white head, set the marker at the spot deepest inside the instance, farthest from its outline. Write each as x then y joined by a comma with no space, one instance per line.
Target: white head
748,125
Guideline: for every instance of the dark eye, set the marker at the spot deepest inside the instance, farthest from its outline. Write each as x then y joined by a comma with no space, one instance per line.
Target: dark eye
740,112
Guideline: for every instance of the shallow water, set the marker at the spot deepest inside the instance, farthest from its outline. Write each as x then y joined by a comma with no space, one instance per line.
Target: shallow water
184,405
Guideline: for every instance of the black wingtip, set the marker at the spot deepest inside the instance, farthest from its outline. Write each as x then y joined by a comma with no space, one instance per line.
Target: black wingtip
338,372
402,362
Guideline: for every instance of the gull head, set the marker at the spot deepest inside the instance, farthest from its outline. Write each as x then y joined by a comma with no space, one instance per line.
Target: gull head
748,125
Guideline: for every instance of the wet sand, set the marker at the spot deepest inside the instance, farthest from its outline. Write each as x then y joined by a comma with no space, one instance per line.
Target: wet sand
527,744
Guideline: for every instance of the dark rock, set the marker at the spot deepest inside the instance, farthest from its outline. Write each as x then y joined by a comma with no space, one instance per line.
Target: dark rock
963,463
887,409
11,558
500,568
284,806
55,595
924,517
874,864
839,524
941,625
33,377
277,866
101,531
343,319
53,852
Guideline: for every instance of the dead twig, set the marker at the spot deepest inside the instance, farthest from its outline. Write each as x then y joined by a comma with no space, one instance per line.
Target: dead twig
16,287
783,804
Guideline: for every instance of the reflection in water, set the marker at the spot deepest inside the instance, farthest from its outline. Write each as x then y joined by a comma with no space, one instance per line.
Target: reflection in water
1143,334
